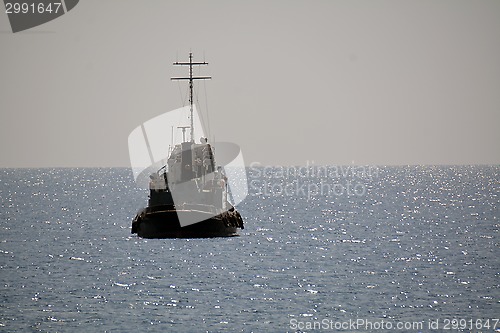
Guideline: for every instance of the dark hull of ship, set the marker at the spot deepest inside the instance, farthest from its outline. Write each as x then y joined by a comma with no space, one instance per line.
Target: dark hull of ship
163,222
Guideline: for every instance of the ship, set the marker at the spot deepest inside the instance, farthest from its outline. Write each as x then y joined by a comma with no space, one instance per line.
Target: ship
188,195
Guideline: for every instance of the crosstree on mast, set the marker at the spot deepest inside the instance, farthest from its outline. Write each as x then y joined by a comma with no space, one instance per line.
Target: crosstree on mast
191,78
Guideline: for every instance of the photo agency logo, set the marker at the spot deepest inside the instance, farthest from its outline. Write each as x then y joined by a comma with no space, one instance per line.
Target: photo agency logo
26,14
311,180
153,142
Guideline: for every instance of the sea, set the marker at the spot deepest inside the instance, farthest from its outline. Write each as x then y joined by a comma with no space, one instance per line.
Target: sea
324,249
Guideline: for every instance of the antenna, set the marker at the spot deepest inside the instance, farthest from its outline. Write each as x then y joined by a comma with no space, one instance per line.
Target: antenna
191,78
183,132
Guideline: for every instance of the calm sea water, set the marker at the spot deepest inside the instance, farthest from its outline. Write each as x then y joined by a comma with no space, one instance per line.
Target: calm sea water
322,249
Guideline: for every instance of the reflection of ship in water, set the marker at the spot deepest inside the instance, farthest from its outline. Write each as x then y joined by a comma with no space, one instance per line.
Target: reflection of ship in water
189,195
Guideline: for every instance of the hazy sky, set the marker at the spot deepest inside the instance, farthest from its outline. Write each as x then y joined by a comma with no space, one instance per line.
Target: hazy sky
374,82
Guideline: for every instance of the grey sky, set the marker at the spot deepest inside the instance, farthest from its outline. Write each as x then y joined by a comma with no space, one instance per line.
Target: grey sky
374,82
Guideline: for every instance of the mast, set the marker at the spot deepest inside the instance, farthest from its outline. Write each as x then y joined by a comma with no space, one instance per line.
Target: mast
191,78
